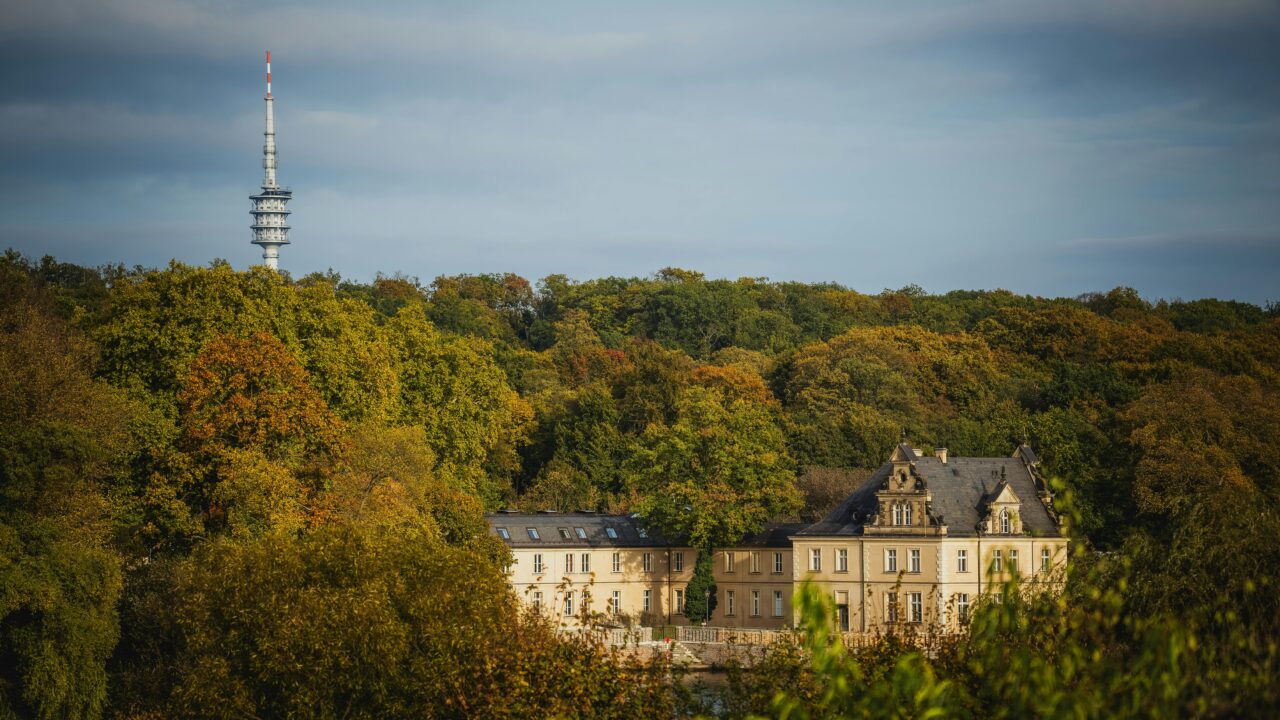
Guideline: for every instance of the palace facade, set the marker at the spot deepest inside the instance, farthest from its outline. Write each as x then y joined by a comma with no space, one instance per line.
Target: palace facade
920,541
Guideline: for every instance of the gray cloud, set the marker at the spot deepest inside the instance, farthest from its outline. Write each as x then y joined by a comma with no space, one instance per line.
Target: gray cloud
876,146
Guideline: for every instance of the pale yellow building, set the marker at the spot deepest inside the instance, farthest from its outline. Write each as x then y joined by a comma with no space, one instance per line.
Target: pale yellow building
927,535
919,542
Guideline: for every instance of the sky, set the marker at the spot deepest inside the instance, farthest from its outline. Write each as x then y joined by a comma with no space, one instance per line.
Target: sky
1051,148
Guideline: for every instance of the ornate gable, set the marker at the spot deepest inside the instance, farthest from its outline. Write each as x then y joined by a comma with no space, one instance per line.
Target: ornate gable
1004,510
903,500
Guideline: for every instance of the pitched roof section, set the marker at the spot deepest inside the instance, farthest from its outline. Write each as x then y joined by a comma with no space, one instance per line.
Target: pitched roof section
961,490
595,527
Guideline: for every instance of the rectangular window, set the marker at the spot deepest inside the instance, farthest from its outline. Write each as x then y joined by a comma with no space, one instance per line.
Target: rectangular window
962,607
677,562
615,602
648,562
612,533
533,533
777,603
581,533
564,533
680,600
728,609
617,562
1013,560
906,514
891,607
568,603
537,562
586,562
648,600
842,560
1044,560
815,559
568,562
502,533
913,560
917,607
777,563
997,560
537,599
644,534
891,560
897,514
755,562
755,603
729,561
962,561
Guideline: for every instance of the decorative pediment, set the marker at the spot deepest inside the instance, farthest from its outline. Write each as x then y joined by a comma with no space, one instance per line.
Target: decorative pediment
1004,510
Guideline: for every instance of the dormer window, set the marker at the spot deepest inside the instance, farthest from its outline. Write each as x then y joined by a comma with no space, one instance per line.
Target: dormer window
580,532
1006,522
502,533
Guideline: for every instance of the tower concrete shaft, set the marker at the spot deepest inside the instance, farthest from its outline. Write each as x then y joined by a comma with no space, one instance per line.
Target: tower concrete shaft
270,218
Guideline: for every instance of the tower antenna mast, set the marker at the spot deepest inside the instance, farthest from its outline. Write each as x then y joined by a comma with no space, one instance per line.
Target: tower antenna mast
270,218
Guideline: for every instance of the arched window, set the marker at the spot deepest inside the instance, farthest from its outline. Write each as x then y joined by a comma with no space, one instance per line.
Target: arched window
1006,523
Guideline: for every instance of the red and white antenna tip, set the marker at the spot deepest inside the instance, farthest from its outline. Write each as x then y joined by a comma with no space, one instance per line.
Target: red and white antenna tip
268,73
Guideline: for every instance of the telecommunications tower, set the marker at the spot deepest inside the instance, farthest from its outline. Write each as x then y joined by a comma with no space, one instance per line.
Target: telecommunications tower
270,218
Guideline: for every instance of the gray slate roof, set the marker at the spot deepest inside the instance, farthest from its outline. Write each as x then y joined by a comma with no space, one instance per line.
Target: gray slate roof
595,527
961,489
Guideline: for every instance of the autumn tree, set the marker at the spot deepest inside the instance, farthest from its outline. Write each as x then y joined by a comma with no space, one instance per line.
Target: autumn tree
61,438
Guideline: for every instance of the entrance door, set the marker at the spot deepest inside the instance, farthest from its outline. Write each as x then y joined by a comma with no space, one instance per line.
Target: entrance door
844,617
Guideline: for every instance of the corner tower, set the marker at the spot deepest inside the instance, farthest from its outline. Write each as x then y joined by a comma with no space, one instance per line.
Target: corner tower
270,218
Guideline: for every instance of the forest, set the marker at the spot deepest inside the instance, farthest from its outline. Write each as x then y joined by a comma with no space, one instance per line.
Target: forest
239,494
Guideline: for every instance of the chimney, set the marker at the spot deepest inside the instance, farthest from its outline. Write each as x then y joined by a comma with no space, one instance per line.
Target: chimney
942,454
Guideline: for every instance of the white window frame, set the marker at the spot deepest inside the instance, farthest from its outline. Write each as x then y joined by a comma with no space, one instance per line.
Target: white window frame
1013,560
617,562
1046,559
585,562
913,560
915,601
891,560
777,603
842,560
1006,522
906,514
755,562
537,562
680,600
648,562
730,562
777,563
537,600
891,610
677,562
580,532
615,602
729,602
568,603
755,603
504,533
997,561
533,533
962,607
648,600
962,561
815,559
568,563
897,514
